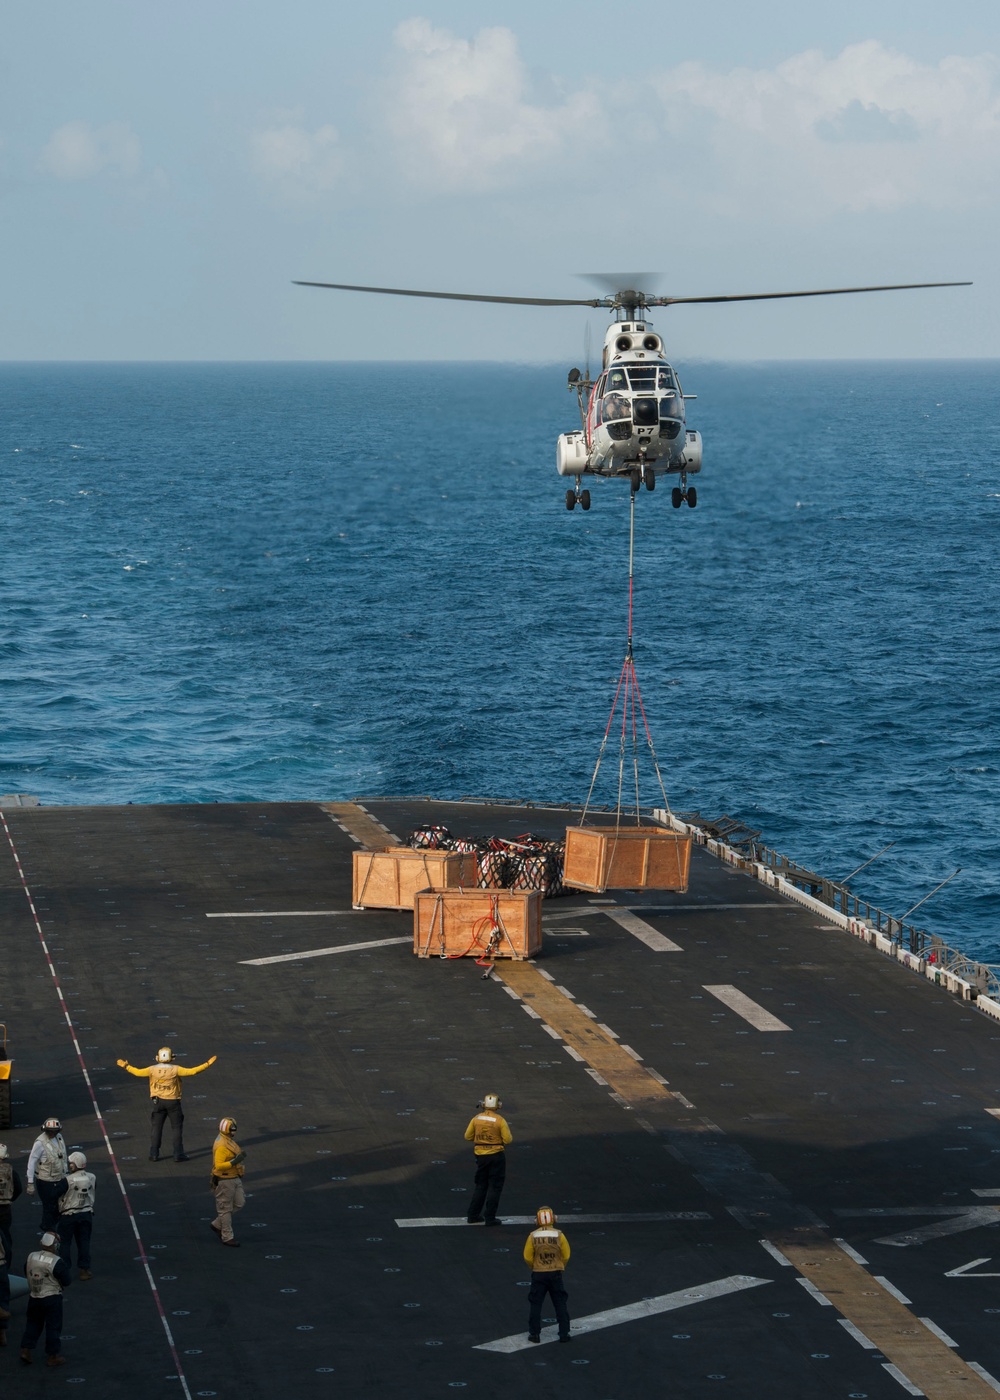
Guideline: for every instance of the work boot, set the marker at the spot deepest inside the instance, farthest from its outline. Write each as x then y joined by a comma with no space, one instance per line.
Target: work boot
233,1244
182,1158
25,1356
154,1156
474,1220
533,1337
492,1222
567,1338
85,1274
56,1360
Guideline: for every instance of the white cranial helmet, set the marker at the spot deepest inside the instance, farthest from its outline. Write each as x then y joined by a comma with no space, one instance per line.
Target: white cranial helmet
77,1161
164,1055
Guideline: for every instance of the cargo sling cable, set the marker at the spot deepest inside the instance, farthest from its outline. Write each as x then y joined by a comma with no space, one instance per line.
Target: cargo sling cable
631,696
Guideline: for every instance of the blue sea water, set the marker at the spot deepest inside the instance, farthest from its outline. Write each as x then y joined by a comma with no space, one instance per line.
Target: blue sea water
249,581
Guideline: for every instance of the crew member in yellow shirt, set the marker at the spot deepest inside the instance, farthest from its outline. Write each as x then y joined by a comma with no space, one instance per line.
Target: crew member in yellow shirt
165,1092
546,1252
227,1180
489,1135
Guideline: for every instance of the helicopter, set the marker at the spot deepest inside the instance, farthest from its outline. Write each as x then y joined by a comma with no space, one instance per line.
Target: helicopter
633,423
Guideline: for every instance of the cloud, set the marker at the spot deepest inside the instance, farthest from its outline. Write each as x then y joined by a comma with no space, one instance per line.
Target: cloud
78,151
868,128
458,111
306,162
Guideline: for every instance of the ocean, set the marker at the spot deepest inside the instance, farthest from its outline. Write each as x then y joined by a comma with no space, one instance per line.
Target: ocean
240,582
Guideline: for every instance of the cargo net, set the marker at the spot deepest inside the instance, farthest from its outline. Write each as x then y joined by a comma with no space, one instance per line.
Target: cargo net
526,863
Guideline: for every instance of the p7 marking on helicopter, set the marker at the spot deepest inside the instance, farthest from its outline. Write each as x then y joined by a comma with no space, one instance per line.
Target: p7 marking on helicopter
633,421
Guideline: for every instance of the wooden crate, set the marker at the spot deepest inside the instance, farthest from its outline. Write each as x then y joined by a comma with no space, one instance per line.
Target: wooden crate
600,858
390,878
459,923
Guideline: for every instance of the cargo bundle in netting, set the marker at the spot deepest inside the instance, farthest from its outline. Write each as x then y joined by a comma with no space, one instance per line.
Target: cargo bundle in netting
526,863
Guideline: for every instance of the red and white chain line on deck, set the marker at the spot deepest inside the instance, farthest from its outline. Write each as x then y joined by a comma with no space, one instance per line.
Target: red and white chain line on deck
144,1258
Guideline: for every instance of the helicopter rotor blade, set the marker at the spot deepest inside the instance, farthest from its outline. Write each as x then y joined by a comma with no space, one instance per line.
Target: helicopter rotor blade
825,292
611,283
454,296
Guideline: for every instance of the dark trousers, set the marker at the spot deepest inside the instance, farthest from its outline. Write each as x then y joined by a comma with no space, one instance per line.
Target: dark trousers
163,1109
490,1173
552,1284
76,1227
43,1313
6,1255
49,1193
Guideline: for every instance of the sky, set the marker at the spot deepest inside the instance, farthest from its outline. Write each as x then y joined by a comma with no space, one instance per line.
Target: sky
168,170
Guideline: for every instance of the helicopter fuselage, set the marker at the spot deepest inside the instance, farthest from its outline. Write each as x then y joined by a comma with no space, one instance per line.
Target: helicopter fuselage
634,417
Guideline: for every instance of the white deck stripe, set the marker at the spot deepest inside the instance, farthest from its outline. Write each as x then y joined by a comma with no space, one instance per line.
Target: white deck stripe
649,1307
857,1334
638,928
775,1253
982,1371
851,1253
904,1381
814,1292
286,914
939,1332
744,1006
891,1288
646,1218
324,952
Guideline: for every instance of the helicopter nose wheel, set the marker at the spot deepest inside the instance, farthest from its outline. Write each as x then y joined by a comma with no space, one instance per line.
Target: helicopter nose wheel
649,477
635,479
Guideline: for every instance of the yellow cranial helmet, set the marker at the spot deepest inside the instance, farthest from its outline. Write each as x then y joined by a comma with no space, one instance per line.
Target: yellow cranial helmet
227,1126
545,1215
164,1055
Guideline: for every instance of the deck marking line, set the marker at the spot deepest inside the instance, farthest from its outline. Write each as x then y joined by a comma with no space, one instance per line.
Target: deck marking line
286,914
857,1334
629,1051
939,1332
964,1270
649,1307
574,1054
323,952
638,928
776,1253
851,1253
360,824
904,1381
510,991
744,1006
596,1077
891,1288
991,1381
597,1044
814,1292
549,1031
633,1218
986,1191
971,1218
608,1031
916,1353
144,1258
530,1010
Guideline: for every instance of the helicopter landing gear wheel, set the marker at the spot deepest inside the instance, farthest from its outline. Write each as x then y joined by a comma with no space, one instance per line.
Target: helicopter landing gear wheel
691,496
570,499
585,500
635,477
676,496
649,477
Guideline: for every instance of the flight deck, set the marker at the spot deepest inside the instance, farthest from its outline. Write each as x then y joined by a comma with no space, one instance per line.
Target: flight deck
770,1147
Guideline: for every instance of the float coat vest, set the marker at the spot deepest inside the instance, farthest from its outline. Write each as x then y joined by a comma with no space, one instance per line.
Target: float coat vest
546,1251
224,1150
79,1194
42,1282
488,1133
51,1165
165,1080
6,1183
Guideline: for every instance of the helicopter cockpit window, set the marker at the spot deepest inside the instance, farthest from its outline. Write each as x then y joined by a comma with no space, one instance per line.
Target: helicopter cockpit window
615,407
617,380
642,377
672,406
665,378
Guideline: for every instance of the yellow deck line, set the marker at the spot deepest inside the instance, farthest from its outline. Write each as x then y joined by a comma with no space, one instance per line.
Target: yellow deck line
623,1074
922,1357
371,833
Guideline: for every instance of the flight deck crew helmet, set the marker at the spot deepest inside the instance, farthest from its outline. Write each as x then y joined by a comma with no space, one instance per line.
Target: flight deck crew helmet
4,1154
52,1125
77,1161
49,1240
545,1216
491,1101
227,1126
164,1055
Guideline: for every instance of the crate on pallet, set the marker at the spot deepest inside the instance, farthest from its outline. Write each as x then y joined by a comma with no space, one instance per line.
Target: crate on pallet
390,878
477,923
600,858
